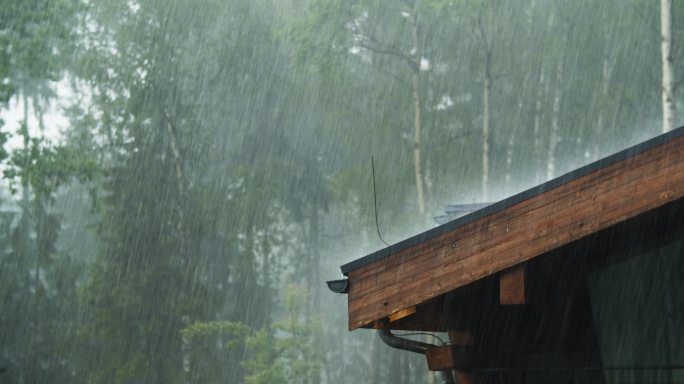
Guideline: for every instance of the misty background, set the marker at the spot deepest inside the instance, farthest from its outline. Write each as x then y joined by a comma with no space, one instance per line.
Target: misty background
179,178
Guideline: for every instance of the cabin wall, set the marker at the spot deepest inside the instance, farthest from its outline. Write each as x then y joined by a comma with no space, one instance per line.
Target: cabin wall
638,309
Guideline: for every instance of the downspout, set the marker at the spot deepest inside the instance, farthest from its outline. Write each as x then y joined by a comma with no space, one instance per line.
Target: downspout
412,346
342,286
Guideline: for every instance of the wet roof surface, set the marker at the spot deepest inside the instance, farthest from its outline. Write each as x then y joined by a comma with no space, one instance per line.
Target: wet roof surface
512,200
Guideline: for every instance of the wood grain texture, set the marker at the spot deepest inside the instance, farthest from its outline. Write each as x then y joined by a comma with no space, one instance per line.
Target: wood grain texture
512,286
439,358
517,233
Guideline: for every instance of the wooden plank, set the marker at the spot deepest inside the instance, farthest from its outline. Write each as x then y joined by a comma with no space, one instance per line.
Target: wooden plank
543,228
449,357
463,377
512,286
439,358
490,230
540,232
470,269
401,314
525,230
587,181
460,338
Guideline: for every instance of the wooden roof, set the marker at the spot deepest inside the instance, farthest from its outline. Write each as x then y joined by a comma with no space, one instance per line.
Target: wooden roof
517,229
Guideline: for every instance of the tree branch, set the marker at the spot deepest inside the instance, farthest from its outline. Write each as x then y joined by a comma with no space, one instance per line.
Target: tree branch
389,51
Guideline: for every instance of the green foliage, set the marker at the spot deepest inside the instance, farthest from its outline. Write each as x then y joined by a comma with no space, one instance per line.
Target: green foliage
36,42
291,351
288,351
45,167
212,329
227,146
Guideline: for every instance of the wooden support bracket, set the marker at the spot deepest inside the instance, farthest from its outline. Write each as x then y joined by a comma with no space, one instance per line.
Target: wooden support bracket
448,357
401,314
512,286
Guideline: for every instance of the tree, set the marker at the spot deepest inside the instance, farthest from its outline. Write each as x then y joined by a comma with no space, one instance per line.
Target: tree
141,289
227,148
485,28
666,55
38,279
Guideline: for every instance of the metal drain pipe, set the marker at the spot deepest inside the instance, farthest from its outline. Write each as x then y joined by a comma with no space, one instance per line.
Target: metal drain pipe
412,346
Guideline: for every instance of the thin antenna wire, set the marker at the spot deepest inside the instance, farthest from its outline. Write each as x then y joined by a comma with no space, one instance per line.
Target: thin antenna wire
375,203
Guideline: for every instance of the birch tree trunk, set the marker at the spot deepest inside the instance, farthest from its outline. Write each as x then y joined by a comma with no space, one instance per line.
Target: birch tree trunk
555,125
485,133
487,87
26,139
606,74
600,122
510,151
668,75
554,136
417,120
542,90
177,157
181,190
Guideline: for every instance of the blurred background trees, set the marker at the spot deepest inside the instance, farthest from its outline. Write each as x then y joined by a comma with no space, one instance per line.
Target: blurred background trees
215,169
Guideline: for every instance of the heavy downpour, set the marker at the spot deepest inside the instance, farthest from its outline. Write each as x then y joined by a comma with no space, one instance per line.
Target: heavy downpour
341,191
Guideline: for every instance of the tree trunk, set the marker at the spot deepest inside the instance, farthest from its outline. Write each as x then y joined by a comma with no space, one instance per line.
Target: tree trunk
555,125
509,154
27,211
542,90
668,75
605,79
606,74
487,87
180,185
181,230
485,133
417,121
554,136
27,140
314,268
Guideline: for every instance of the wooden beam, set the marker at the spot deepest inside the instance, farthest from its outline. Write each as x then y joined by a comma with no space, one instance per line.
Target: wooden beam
439,358
517,233
449,357
460,338
401,314
512,286
464,377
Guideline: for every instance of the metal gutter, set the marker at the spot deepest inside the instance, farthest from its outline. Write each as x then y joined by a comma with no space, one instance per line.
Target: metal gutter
412,346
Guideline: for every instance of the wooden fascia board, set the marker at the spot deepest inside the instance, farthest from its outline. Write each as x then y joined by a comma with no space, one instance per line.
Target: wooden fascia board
556,216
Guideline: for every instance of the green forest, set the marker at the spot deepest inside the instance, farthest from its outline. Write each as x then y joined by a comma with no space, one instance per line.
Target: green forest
180,177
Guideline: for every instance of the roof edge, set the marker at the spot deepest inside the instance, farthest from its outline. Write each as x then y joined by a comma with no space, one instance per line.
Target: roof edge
512,200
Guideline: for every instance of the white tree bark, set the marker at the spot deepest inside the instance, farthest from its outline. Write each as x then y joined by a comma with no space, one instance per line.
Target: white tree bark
486,91
606,75
600,122
668,74
542,90
555,124
485,134
554,137
418,120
